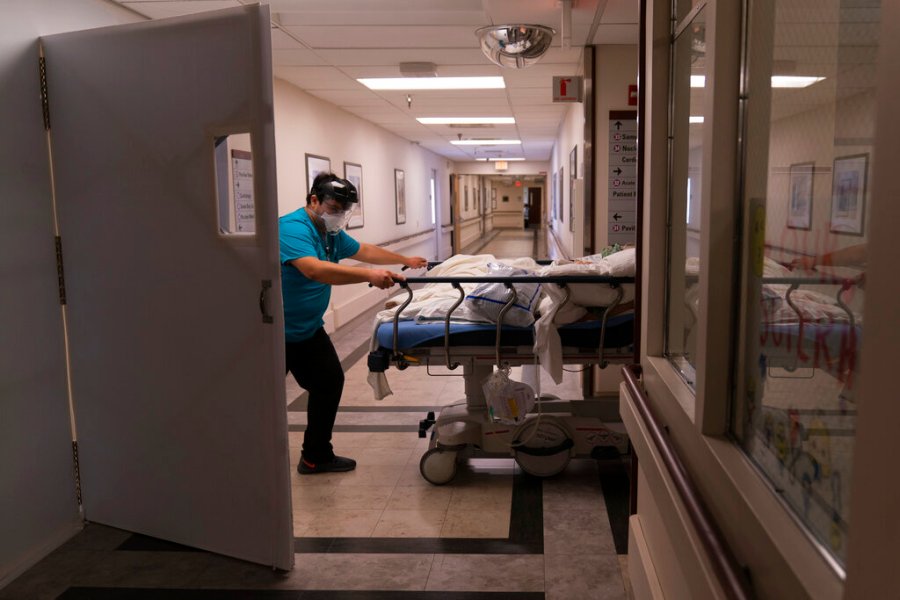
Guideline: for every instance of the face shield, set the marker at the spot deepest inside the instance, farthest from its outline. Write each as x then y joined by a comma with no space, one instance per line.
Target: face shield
337,198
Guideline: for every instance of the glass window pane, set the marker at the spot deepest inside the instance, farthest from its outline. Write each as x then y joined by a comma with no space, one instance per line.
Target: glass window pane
685,190
811,120
683,7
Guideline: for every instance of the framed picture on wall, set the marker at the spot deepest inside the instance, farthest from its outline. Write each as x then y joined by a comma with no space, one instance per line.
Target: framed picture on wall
400,196
800,196
559,195
848,193
314,166
553,197
353,174
573,162
571,204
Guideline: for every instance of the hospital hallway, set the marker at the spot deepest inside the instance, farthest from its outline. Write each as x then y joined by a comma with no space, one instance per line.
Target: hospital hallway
381,531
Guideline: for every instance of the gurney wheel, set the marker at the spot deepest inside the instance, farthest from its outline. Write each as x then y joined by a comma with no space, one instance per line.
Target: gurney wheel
438,466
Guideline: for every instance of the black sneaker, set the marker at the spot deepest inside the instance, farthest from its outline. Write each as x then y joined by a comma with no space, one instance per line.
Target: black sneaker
335,465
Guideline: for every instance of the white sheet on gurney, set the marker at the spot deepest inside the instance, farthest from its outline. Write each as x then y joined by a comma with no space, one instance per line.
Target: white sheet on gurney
434,300
547,343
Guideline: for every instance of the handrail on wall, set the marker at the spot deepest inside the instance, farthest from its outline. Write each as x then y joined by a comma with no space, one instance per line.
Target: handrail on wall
731,576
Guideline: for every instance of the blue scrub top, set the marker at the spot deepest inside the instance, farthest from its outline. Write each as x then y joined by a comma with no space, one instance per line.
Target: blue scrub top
305,300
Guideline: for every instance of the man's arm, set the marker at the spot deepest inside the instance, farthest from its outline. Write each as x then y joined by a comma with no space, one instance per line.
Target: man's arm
851,256
335,274
377,255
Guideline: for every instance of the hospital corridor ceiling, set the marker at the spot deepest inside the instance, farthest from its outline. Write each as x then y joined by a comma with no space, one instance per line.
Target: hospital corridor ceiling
324,46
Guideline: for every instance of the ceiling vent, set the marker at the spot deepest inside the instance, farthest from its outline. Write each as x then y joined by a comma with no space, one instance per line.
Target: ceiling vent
418,69
515,46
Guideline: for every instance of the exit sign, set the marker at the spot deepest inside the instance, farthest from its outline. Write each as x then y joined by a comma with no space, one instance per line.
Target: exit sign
568,89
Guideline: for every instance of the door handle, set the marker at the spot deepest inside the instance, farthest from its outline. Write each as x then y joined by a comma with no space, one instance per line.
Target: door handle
263,292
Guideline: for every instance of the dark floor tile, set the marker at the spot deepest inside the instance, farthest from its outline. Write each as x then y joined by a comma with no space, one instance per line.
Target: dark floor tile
616,490
98,593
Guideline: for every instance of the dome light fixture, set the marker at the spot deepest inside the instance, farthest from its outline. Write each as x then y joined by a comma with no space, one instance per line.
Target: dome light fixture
515,46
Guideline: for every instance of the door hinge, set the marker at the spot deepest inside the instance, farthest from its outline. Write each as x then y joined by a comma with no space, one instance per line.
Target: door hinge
60,276
77,473
45,101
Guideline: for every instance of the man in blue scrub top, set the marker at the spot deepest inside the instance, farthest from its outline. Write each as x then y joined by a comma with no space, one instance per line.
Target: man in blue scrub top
312,242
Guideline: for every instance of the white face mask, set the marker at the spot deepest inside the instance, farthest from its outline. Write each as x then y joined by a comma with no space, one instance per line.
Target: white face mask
334,223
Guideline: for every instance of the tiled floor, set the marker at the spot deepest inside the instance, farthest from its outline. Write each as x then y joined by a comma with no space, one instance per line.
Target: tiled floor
382,531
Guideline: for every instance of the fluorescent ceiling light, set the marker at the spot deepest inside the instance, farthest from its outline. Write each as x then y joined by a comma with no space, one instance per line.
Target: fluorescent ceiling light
466,120
482,159
778,81
434,83
485,142
505,159
794,81
693,119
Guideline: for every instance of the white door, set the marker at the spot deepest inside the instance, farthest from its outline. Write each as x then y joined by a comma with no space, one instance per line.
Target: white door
177,376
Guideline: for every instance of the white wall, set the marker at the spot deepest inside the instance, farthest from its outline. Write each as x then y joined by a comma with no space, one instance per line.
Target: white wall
305,124
37,503
509,214
569,135
474,206
616,69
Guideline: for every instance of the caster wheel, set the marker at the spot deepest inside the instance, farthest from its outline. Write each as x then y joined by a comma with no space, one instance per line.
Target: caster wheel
438,466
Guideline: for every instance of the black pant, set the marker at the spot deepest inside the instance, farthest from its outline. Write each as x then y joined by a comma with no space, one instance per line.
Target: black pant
316,367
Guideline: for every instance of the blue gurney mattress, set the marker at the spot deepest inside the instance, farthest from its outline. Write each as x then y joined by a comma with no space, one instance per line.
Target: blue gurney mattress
586,334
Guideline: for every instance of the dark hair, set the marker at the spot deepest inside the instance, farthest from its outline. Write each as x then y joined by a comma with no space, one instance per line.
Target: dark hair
328,185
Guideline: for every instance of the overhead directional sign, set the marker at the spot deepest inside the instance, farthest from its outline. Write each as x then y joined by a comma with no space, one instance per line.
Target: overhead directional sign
622,177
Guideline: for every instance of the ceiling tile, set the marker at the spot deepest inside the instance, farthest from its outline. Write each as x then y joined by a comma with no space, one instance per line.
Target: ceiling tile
316,78
385,36
393,70
296,57
282,41
362,97
322,46
161,10
394,56
617,34
621,11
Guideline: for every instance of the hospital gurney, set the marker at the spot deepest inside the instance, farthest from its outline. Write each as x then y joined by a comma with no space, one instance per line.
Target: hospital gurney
544,441
827,340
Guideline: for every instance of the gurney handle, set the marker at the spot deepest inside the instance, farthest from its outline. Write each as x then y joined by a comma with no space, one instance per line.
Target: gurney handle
462,295
503,311
620,292
401,361
847,285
